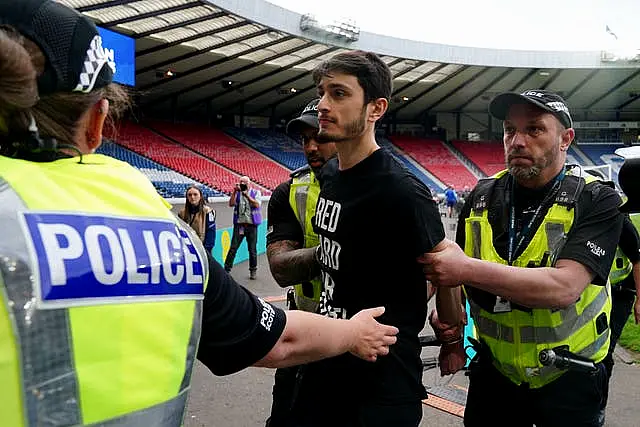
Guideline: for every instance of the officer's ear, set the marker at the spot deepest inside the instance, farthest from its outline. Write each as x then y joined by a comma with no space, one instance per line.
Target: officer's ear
567,138
94,124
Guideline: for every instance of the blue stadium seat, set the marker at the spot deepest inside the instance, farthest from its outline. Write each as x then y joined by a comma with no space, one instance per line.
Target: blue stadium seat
169,183
604,154
275,145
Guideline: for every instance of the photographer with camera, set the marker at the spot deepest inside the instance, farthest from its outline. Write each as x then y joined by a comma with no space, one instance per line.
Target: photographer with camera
246,218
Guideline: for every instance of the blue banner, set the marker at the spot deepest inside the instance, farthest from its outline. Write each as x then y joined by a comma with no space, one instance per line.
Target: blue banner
125,55
84,259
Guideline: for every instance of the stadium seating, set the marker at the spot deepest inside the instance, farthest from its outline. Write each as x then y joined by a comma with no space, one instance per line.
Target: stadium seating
437,159
225,150
169,183
402,158
174,156
275,145
488,156
604,154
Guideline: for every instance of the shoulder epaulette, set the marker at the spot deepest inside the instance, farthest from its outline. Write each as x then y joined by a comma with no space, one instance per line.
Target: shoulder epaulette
300,171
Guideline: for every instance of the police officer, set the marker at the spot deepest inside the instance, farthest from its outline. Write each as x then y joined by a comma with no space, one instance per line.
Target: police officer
539,243
291,207
101,286
290,233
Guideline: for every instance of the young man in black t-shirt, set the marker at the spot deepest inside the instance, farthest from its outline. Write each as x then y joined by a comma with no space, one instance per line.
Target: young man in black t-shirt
374,219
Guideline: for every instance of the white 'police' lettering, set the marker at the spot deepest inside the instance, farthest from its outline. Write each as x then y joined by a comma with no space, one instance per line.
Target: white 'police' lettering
267,316
595,249
533,93
89,258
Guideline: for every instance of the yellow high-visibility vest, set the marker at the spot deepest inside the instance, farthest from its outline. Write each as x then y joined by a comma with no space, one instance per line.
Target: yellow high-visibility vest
303,197
516,336
101,290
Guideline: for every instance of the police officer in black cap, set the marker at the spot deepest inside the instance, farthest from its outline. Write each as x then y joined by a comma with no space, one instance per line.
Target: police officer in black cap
291,241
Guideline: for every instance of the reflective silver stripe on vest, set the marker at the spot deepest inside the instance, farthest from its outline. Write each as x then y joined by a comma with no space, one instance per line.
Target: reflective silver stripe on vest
301,195
192,348
476,231
165,414
490,327
555,239
571,322
196,326
50,389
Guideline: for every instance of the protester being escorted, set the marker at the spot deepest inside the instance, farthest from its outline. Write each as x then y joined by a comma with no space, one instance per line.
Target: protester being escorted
106,296
373,219
199,216
539,241
247,216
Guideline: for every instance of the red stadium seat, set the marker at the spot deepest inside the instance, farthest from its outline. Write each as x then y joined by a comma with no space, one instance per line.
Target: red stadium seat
434,156
225,150
487,155
174,156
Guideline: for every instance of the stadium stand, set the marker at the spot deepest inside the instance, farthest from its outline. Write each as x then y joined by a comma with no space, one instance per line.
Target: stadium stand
275,145
402,158
169,183
174,156
488,156
437,159
225,150
604,154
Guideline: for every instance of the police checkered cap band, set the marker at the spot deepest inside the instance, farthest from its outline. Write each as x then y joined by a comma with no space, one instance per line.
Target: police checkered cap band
548,101
76,60
97,58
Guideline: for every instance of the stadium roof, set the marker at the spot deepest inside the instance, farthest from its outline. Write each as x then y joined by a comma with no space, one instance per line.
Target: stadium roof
251,56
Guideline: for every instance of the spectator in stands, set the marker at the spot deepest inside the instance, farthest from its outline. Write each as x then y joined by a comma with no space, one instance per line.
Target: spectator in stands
451,199
539,243
290,235
247,216
373,219
199,216
115,342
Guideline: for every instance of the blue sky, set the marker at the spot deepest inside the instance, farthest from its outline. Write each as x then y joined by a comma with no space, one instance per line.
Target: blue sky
503,24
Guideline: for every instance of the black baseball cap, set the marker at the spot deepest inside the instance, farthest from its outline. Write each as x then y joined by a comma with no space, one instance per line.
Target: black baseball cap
308,117
548,101
76,60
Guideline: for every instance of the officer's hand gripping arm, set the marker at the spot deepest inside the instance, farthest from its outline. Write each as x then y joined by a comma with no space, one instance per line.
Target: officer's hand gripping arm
309,337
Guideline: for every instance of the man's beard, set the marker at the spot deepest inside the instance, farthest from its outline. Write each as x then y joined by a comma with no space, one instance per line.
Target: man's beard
351,130
526,173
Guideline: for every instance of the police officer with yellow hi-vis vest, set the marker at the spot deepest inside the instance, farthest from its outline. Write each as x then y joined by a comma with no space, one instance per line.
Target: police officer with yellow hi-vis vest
539,242
290,233
106,297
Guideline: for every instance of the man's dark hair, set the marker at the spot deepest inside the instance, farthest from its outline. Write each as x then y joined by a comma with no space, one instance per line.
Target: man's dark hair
373,74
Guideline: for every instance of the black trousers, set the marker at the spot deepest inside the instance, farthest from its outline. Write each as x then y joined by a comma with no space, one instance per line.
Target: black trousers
574,399
621,308
239,233
291,409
